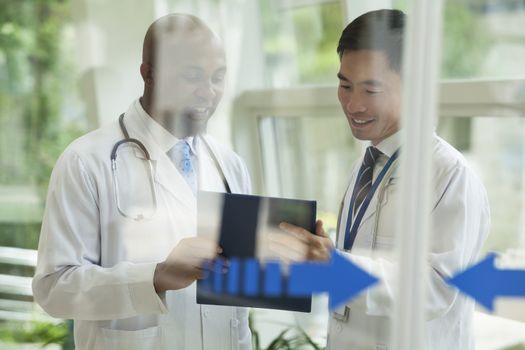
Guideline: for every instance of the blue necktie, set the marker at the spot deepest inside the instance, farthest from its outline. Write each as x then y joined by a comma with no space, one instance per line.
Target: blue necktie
180,154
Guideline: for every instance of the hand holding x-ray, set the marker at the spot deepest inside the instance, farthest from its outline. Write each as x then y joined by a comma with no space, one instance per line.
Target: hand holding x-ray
185,263
296,244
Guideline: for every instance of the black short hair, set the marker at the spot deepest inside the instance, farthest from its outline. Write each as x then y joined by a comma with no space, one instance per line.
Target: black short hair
376,30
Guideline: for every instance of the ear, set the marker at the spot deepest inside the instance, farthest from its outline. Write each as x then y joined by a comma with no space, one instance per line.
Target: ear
146,71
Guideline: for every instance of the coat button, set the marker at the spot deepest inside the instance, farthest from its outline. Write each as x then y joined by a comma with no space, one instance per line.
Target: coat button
206,313
338,328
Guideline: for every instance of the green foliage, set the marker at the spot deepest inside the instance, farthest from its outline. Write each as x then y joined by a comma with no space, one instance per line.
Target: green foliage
44,333
291,338
304,35
311,38
33,82
297,340
19,235
516,347
465,41
317,58
32,68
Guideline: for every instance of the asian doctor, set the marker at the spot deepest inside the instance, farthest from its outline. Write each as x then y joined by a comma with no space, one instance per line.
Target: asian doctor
370,84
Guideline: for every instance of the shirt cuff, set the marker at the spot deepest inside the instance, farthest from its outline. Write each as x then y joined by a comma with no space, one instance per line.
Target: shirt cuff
144,298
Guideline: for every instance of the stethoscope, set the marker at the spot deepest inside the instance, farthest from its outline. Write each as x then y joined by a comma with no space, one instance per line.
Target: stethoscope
151,177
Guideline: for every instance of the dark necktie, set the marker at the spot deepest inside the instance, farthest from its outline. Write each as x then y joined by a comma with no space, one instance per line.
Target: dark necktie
364,179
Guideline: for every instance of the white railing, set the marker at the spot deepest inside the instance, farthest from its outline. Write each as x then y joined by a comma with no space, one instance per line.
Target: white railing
17,310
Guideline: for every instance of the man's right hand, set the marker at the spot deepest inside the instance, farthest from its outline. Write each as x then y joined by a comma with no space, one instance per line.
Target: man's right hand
184,264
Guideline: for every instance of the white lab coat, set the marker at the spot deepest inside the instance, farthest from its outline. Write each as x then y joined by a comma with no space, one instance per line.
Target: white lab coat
96,266
460,218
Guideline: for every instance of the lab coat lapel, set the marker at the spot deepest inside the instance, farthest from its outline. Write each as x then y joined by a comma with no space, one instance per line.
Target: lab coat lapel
234,185
372,207
166,175
170,179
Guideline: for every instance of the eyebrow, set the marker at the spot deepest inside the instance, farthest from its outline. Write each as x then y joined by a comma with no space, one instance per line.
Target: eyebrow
372,82
220,69
369,82
341,76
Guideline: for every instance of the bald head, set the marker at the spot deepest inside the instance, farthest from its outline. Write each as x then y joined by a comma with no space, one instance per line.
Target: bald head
177,25
183,68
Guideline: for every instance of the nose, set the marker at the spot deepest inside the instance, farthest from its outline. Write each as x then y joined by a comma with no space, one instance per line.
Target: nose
355,105
206,91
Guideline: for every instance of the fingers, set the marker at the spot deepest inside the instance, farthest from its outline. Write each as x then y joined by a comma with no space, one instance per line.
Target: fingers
319,230
319,245
320,253
219,264
283,253
315,241
286,247
298,232
201,243
200,248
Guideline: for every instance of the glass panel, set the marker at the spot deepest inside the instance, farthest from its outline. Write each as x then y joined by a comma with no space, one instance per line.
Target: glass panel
310,158
310,151
40,113
495,148
482,38
317,155
299,40
486,39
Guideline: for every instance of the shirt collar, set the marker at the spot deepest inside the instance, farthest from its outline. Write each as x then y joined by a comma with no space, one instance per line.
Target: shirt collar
389,145
164,139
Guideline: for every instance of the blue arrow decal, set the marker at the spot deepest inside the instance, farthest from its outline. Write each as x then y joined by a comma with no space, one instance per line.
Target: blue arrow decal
483,282
342,279
339,277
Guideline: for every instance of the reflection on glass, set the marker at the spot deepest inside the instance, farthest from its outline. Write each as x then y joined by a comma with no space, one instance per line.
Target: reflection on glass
134,178
484,39
309,151
299,39
496,149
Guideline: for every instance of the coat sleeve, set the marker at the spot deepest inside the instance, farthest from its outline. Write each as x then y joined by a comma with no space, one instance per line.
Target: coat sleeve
69,281
460,222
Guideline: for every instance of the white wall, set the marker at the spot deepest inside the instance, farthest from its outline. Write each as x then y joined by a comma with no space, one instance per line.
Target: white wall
109,38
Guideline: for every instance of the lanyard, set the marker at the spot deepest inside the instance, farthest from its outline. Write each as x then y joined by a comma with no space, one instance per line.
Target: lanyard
351,228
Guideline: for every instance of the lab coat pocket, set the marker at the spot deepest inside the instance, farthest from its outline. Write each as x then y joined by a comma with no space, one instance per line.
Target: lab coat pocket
234,333
144,339
389,190
383,244
387,217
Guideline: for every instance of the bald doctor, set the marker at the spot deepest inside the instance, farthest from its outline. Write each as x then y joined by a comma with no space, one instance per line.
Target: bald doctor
118,251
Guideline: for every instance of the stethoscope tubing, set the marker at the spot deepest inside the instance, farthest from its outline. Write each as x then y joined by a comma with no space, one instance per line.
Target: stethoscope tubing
127,138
